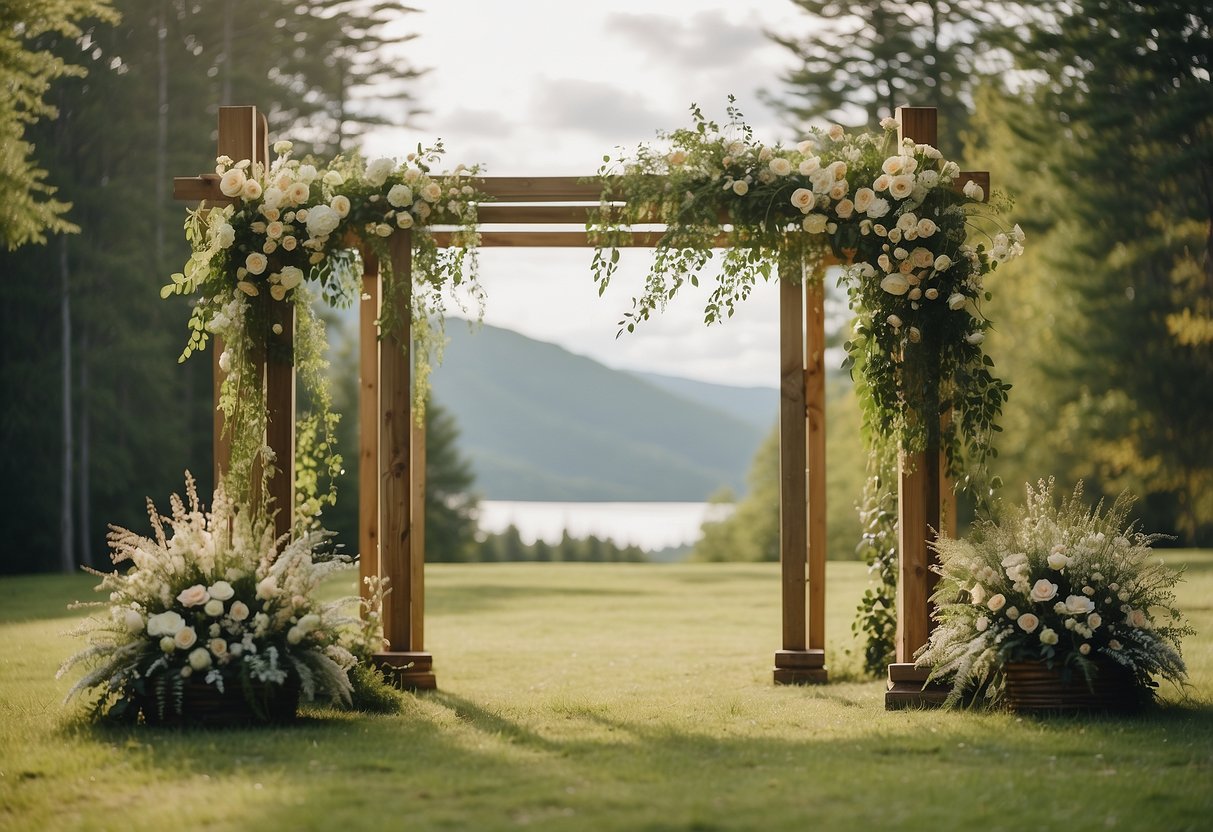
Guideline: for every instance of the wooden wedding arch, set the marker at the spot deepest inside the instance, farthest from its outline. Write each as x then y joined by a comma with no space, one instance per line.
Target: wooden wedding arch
392,444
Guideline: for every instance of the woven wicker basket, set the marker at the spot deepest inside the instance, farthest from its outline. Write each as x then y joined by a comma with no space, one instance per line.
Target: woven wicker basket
1032,686
204,706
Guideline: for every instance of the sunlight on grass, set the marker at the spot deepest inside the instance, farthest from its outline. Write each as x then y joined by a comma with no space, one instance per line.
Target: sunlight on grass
612,696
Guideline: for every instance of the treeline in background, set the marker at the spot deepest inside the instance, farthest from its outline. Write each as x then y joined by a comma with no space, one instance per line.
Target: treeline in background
1095,118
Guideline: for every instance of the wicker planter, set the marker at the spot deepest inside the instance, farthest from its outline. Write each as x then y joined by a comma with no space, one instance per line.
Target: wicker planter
202,705
1032,686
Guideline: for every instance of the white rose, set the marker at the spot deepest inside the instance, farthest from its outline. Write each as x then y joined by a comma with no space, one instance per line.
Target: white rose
780,166
213,608
741,187
255,263
378,170
974,191
194,596
332,178
942,263
200,659
902,186
322,221
1078,605
165,624
239,611
927,227
975,338
404,220
273,198
957,301
809,165
400,195
282,147
1057,562
225,235
298,193
803,199
217,646
878,208
167,645
894,321
815,223
1047,636
895,284
307,173
932,293
289,243
863,199
996,602
1094,620
921,258
1028,622
844,209
383,229
185,638
431,192
1043,590
251,189
133,620
839,190
1084,648
232,183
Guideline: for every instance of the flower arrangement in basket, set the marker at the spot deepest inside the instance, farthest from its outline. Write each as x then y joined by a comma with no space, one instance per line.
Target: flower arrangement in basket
216,621
1056,607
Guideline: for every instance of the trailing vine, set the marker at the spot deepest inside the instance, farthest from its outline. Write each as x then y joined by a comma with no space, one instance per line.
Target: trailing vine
915,249
292,225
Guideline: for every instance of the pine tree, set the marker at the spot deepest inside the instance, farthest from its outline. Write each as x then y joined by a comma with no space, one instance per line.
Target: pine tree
450,503
864,58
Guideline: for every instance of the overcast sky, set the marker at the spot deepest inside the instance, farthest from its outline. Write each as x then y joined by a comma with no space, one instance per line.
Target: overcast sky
546,87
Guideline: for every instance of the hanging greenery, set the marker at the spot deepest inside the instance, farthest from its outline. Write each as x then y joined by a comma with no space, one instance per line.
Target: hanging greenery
292,230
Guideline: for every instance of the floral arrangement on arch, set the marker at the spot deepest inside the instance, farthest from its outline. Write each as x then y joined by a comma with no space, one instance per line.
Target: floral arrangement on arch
1076,589
292,224
887,211
212,597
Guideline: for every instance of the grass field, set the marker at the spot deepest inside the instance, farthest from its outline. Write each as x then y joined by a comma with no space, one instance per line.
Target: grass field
630,697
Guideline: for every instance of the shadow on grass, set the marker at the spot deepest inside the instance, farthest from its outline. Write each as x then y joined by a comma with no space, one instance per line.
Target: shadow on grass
451,762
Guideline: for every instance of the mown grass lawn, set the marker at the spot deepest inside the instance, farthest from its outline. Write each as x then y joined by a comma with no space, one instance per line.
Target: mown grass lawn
631,697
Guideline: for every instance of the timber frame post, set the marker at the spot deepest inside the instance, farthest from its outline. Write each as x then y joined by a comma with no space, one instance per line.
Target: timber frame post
926,508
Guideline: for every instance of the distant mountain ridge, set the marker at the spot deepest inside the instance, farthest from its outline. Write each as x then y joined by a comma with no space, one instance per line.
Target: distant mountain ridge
757,406
541,423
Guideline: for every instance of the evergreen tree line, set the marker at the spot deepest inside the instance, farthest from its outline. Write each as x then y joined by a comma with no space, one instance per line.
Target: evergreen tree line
107,100
1095,118
508,547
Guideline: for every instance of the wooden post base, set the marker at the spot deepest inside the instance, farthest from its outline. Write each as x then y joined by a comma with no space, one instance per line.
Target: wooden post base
908,688
800,667
408,671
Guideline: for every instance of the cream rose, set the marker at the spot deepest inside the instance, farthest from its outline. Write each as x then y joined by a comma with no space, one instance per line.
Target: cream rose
251,189
974,191
741,187
322,221
267,588
213,608
803,199
185,638
224,235
1043,590
298,193
255,263
1047,636
1094,620
239,611
895,284
996,602
815,223
133,620
926,227
290,277
400,195
232,183
780,166
431,192
341,205
957,301
165,624
217,646
902,186
194,596
878,208
167,645
1028,622
200,659
1078,605
863,199
404,220
809,166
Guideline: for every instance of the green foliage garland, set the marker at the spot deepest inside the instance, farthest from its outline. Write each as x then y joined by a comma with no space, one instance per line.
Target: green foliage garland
293,222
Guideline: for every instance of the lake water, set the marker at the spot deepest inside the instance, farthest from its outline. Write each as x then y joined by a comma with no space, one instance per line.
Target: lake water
650,526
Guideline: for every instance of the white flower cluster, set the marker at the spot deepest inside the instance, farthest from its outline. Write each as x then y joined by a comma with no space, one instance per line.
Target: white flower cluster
212,592
1058,586
292,216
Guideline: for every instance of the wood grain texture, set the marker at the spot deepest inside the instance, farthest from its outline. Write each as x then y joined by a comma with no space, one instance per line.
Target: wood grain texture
368,422
280,413
417,538
918,123
815,455
793,543
395,435
912,578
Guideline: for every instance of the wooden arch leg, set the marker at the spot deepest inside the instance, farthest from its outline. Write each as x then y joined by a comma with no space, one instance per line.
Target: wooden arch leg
801,477
400,469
